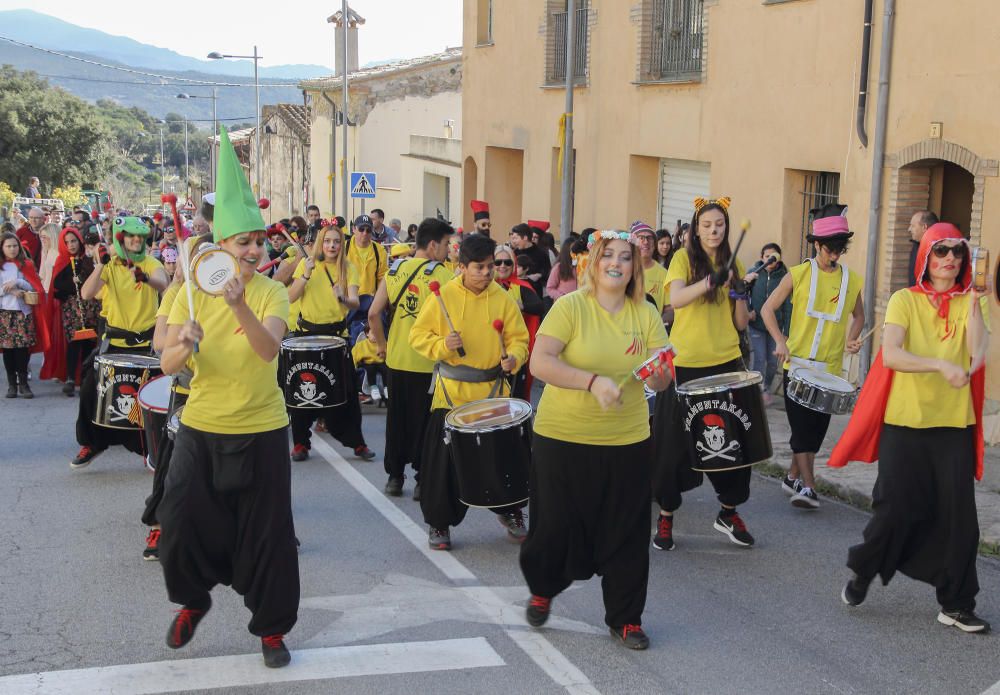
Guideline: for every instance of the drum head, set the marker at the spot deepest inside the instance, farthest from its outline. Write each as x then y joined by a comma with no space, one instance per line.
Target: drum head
488,414
174,423
123,360
154,395
824,380
212,268
719,382
312,342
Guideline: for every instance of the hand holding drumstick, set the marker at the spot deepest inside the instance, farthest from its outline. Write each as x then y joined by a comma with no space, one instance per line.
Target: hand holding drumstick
453,341
507,363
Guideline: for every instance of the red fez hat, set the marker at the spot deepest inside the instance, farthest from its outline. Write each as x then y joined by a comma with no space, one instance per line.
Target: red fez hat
480,209
540,224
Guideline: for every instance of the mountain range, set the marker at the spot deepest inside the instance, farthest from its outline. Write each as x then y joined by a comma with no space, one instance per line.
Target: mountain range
158,97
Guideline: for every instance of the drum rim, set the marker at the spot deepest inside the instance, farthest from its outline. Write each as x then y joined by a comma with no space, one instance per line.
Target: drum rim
465,429
336,342
148,406
126,360
799,373
204,252
752,378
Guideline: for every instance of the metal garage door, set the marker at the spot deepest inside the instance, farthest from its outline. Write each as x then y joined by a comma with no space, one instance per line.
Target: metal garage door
681,181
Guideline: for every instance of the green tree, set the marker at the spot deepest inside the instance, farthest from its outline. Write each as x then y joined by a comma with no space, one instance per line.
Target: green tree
48,133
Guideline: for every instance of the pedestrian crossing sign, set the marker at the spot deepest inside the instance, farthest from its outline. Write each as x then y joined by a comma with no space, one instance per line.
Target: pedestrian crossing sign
363,184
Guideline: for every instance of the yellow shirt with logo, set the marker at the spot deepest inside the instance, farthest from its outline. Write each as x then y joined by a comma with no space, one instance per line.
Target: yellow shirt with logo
128,304
803,327
926,399
610,345
318,303
371,263
233,390
473,316
400,354
703,333
365,352
655,280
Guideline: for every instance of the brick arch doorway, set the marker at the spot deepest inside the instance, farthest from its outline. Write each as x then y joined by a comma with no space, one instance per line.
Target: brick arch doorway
935,175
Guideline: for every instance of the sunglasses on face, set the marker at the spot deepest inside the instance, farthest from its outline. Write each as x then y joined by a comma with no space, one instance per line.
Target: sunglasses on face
504,262
942,250
835,248
363,230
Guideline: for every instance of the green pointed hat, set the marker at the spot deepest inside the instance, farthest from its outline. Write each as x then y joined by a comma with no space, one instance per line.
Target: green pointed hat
236,210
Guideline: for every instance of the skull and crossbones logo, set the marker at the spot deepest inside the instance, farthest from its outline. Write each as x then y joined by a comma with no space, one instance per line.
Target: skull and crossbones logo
123,404
306,395
411,302
715,437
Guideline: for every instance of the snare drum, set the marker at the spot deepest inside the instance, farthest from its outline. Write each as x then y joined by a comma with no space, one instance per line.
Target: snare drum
725,420
490,443
119,378
154,405
314,371
821,391
212,267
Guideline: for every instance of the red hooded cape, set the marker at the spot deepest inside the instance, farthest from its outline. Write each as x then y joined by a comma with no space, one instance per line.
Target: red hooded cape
861,438
531,321
39,312
54,366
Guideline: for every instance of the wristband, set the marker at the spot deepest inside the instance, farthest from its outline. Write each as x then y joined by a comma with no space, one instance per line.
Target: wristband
305,277
733,294
590,383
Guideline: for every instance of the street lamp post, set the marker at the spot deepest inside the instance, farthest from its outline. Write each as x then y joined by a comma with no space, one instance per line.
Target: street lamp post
187,163
215,55
163,175
215,127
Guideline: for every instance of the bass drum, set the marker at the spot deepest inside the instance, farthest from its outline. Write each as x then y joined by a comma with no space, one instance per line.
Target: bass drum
490,443
119,378
725,421
154,405
314,371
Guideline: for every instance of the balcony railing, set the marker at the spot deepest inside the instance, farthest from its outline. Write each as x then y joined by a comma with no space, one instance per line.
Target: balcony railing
676,45
557,71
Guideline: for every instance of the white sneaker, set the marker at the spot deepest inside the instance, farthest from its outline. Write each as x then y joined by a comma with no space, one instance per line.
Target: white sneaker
376,393
805,499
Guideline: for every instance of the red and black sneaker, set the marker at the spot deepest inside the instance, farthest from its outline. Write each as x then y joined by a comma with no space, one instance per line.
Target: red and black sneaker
364,453
631,636
274,650
300,453
152,551
85,456
184,623
538,610
730,523
664,538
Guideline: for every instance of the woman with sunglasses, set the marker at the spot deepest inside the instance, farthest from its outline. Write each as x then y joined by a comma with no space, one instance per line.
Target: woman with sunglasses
828,315
527,300
707,317
920,415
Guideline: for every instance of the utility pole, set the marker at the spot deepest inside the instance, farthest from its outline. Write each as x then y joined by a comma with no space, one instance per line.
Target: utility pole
187,164
345,186
566,209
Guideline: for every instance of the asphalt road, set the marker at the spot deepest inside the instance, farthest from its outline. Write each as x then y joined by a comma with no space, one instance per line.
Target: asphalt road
382,614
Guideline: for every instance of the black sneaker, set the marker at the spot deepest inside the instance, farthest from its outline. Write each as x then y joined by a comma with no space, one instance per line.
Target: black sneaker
514,523
184,623
805,499
538,610
394,487
85,456
631,636
730,523
964,620
274,650
300,452
856,590
152,551
439,539
664,538
416,492
791,486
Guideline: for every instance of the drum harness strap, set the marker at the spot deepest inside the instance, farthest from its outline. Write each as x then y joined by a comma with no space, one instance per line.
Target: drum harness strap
322,328
466,374
131,338
822,318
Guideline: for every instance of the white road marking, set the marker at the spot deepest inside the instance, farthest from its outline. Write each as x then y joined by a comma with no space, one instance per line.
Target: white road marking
245,670
533,643
992,690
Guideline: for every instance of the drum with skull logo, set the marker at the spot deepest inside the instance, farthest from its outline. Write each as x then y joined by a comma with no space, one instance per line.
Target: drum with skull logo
725,421
119,378
313,371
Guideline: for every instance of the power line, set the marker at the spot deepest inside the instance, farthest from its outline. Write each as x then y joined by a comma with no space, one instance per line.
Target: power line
103,81
131,71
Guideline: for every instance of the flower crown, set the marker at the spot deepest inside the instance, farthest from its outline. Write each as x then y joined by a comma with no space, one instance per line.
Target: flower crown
722,202
610,234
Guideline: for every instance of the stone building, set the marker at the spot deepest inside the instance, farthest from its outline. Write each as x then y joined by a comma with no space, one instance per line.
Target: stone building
754,99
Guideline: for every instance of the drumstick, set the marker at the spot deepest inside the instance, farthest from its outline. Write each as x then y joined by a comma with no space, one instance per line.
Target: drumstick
744,228
435,287
867,334
498,327
186,269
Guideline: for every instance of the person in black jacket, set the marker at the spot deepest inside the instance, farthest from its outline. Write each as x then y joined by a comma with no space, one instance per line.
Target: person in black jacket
71,269
762,344
521,240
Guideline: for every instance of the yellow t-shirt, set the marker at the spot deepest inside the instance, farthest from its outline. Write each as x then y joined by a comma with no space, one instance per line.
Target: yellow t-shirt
167,300
473,316
927,400
233,390
400,354
130,305
703,333
655,279
803,328
102,294
371,263
365,352
452,267
605,344
318,303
